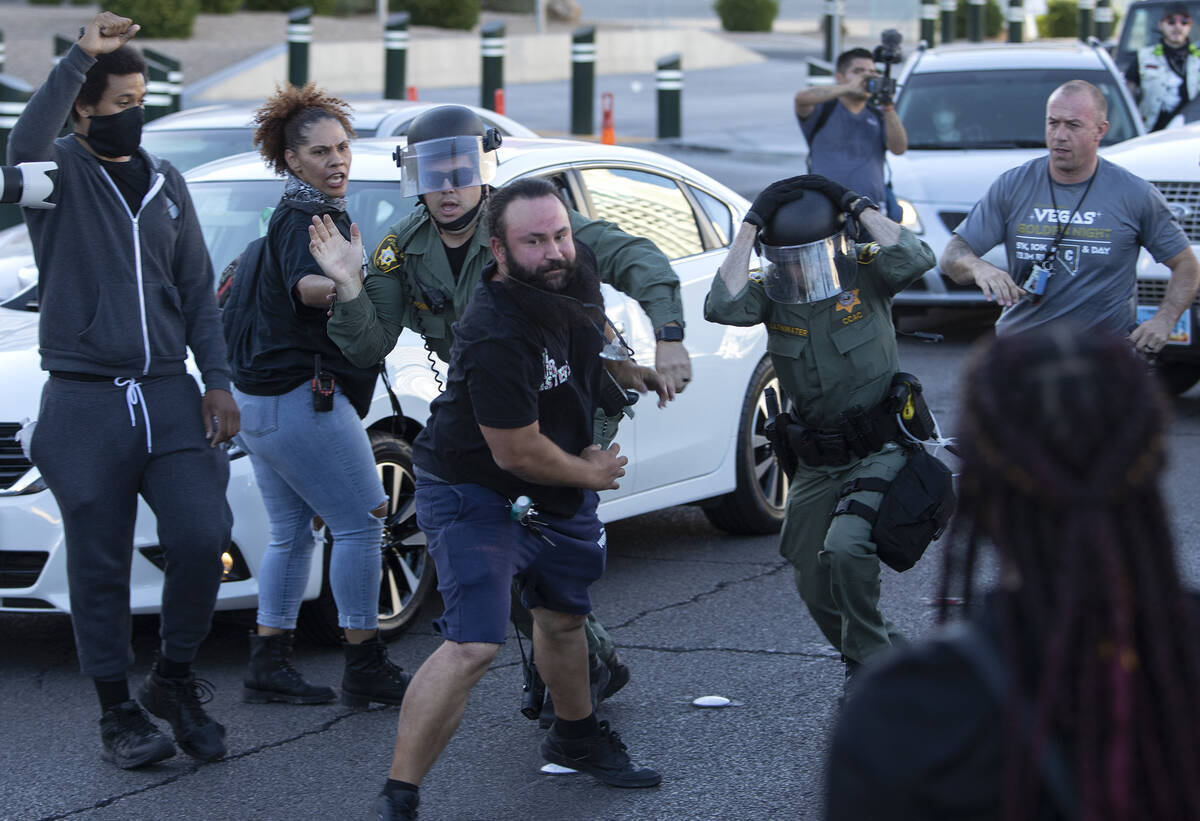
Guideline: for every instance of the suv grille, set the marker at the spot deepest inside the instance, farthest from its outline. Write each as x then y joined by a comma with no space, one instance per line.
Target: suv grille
1186,194
1152,292
21,568
13,464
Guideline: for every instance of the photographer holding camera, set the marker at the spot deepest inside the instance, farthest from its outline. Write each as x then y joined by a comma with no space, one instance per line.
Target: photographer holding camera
851,124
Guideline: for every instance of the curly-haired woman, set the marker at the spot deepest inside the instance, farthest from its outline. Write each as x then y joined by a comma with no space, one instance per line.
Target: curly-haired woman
309,458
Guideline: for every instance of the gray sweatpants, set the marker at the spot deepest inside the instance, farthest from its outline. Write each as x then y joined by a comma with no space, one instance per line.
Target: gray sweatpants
96,462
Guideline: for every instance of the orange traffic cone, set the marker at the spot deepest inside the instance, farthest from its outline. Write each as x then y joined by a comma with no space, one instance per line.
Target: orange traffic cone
607,135
412,92
498,101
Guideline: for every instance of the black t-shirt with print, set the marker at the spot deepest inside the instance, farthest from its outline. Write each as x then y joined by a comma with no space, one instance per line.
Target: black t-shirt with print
508,372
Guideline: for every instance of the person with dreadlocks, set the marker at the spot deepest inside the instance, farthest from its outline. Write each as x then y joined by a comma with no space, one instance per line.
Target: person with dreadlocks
1069,691
310,453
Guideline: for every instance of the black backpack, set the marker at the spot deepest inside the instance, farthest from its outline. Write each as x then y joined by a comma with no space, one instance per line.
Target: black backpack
236,298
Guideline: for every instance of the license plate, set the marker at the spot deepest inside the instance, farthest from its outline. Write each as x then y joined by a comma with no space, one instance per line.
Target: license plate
1181,334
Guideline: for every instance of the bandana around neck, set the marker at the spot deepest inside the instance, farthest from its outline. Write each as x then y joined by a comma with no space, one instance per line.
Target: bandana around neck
300,191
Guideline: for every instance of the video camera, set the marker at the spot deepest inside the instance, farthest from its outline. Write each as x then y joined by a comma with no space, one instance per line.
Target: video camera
883,89
28,184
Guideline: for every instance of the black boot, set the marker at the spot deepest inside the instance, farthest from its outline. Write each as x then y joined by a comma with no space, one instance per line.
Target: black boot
270,675
179,701
370,677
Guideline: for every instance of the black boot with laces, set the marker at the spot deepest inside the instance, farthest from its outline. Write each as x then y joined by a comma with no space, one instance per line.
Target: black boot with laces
602,756
130,739
370,676
270,675
178,701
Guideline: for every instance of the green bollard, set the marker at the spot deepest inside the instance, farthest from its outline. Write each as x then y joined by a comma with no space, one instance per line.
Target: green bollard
395,50
491,52
948,9
1016,21
583,80
299,35
929,15
975,20
14,92
831,25
1104,20
158,90
174,78
668,79
1085,18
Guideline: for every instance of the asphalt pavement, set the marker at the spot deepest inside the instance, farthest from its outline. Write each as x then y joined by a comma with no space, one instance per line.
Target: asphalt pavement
695,612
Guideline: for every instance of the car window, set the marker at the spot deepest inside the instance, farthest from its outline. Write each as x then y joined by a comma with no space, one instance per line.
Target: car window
996,109
646,205
1140,28
719,216
186,149
232,214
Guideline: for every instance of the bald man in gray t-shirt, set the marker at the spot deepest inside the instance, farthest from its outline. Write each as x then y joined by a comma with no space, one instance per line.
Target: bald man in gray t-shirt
1093,278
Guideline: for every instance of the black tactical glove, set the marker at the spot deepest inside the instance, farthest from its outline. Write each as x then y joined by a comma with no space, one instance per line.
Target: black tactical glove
838,194
771,198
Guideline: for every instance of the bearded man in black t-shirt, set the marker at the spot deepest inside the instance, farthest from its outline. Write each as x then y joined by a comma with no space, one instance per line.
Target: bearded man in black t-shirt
516,420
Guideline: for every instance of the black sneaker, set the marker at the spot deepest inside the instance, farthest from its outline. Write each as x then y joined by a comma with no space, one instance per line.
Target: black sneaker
601,756
130,739
178,702
400,807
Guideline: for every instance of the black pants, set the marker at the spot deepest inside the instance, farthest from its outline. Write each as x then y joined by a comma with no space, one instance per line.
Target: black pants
96,462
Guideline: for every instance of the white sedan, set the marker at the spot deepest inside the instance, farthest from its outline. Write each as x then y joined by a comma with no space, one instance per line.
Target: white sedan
705,448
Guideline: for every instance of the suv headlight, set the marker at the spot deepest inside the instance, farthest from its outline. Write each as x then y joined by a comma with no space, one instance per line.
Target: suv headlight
908,216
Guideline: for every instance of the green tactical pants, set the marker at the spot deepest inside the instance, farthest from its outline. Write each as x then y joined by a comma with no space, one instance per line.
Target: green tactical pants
836,566
599,642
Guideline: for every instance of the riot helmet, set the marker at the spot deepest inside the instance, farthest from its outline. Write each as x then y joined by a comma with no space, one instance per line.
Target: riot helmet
448,147
809,255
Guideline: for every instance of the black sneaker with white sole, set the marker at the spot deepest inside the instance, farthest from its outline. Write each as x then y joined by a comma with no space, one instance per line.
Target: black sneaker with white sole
130,739
602,756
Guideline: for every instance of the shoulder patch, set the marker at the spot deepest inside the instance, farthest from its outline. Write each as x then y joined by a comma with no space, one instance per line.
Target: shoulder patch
387,256
867,253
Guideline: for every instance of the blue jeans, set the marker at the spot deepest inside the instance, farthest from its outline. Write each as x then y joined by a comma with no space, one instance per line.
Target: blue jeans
310,463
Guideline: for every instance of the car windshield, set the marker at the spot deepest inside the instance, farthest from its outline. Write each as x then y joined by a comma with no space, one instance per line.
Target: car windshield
996,109
186,148
232,214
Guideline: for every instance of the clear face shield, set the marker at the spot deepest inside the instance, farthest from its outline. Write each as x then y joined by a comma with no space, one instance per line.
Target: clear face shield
810,272
445,163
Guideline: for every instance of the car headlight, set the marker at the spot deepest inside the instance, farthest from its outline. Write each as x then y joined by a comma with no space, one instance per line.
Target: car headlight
908,216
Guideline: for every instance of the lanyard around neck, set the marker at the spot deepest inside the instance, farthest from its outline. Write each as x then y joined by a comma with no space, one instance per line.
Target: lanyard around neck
1062,229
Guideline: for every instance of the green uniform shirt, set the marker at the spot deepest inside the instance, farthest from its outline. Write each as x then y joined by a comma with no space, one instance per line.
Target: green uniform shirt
840,352
410,262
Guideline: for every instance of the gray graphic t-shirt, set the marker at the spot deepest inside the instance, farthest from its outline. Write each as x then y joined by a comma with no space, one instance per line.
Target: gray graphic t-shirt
849,148
1094,275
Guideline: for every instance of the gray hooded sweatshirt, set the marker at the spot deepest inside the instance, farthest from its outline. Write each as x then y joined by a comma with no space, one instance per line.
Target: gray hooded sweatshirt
120,294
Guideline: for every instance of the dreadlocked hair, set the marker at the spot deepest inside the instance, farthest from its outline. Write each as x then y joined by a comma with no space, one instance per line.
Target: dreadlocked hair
1063,439
282,122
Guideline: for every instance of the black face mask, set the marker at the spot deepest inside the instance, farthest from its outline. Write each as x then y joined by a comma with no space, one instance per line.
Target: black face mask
116,135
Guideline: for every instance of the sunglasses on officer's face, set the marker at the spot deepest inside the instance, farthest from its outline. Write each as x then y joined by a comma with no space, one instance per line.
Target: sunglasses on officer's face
1176,20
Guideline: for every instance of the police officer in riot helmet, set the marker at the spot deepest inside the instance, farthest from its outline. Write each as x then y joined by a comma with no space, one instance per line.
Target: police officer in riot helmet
424,271
826,300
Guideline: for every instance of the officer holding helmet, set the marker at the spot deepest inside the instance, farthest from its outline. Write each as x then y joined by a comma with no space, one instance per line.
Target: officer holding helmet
827,303
424,271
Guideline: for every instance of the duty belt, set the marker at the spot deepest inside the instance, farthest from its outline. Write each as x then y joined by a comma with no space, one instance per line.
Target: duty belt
858,433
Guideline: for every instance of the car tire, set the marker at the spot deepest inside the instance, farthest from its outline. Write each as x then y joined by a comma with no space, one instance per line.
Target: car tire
1178,377
408,571
757,505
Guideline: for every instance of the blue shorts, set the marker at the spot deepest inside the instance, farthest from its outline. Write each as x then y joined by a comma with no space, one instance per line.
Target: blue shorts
478,549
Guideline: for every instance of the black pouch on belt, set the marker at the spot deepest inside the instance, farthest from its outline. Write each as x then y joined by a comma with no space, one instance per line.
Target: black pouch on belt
859,430
804,445
776,430
833,448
